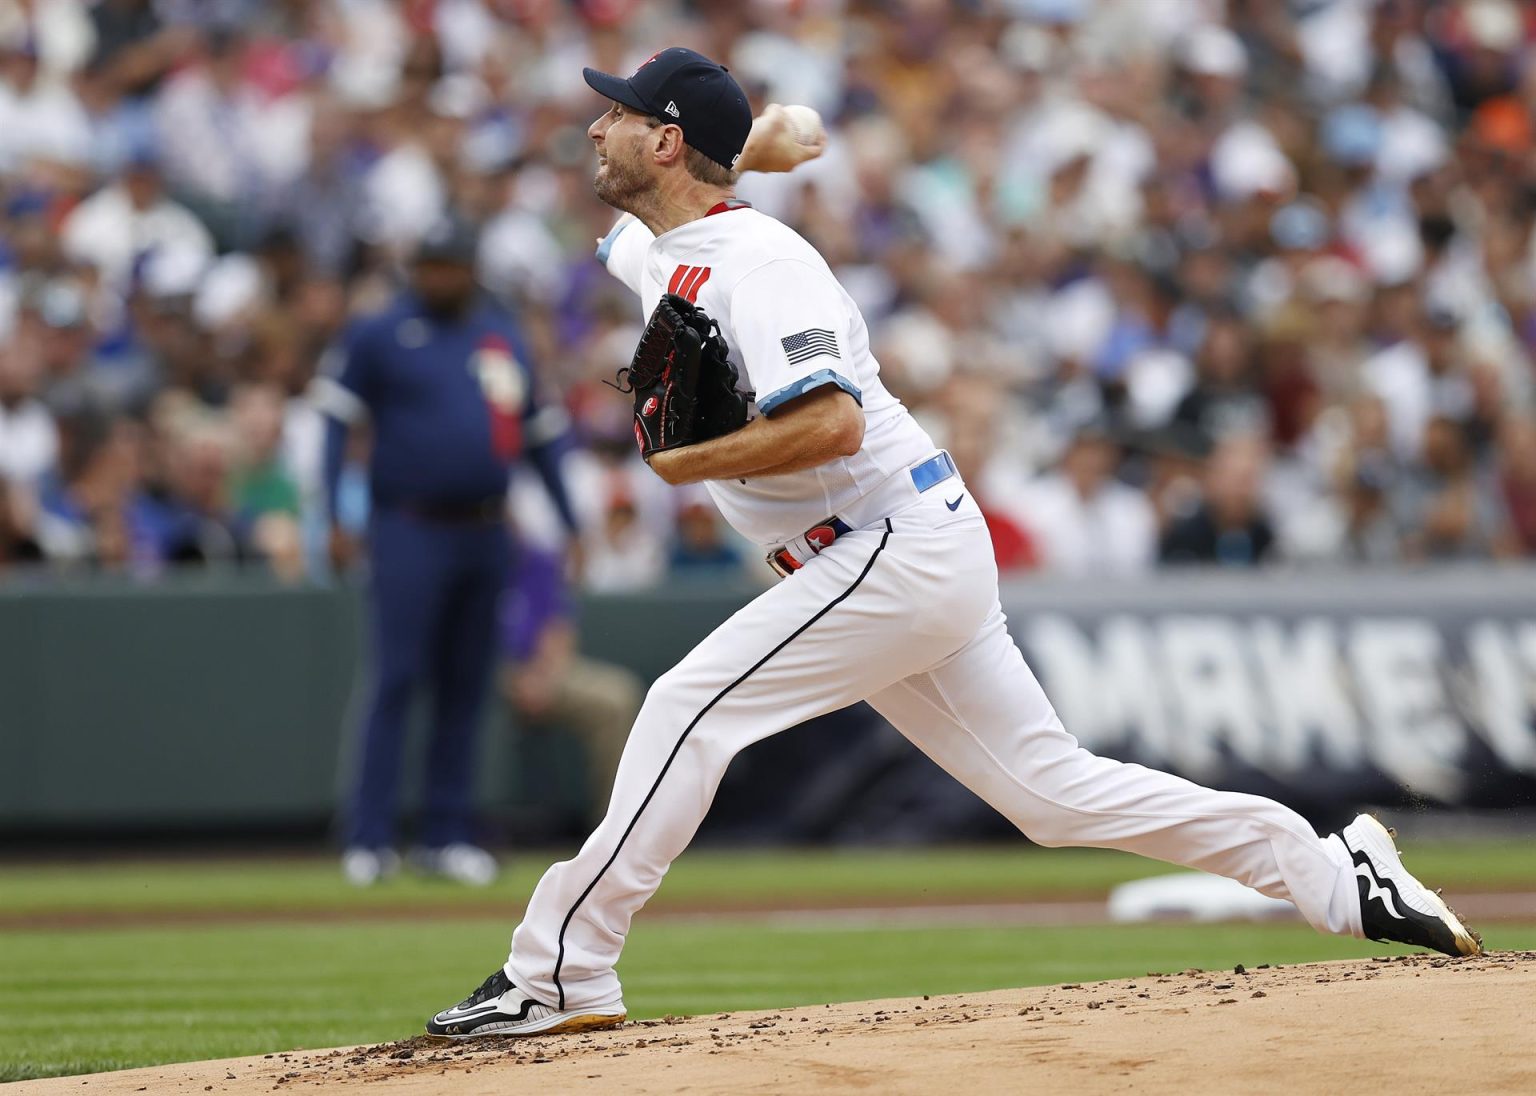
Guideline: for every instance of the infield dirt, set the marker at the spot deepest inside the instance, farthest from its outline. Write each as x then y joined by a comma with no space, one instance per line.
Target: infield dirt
1406,1024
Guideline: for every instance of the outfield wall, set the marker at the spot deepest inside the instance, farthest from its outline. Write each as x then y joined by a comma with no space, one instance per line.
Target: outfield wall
221,701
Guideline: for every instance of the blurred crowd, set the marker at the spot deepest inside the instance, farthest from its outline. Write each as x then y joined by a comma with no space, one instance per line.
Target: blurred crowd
1234,281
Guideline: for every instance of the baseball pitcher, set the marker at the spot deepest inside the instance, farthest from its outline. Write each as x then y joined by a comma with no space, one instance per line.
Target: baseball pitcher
889,591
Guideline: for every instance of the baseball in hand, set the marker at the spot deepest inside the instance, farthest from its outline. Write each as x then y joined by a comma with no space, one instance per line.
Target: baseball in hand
783,137
806,126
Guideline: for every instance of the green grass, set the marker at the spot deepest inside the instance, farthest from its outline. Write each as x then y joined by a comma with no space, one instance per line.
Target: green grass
759,877
87,999
79,1002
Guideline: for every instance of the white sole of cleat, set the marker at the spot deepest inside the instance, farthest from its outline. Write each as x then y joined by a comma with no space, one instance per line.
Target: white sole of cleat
550,1025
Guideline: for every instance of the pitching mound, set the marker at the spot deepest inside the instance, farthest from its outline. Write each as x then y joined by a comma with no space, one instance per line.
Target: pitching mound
1419,1024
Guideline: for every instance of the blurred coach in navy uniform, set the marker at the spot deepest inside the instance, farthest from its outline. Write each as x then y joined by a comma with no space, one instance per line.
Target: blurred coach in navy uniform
444,378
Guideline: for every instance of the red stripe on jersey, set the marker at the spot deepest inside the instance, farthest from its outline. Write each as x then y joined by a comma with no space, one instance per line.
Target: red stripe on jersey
692,286
677,278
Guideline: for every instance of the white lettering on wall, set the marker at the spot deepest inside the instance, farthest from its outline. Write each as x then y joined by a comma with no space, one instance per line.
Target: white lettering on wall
1307,687
1499,696
1413,734
1215,701
1107,692
1186,691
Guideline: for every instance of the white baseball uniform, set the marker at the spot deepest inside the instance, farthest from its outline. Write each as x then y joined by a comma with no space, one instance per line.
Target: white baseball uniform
901,610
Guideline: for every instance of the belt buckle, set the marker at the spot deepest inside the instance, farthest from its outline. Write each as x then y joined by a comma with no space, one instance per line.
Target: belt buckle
781,563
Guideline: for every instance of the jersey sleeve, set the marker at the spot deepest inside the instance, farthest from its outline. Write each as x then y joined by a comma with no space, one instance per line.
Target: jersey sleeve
623,250
345,386
792,325
544,418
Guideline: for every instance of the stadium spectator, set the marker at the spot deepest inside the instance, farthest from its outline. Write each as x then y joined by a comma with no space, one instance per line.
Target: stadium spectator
1224,398
263,493
53,319
1083,520
99,514
45,134
137,43
1420,378
29,437
223,146
972,406
702,546
322,203
1230,526
548,683
1366,480
114,229
189,514
1445,509
1516,480
18,543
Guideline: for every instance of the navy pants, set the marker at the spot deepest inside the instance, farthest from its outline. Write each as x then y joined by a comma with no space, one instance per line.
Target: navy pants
434,591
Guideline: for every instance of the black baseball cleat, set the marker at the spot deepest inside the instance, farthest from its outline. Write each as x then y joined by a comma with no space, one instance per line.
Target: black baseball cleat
1395,906
499,1007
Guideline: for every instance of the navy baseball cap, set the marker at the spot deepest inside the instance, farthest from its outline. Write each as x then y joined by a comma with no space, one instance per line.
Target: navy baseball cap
685,89
451,240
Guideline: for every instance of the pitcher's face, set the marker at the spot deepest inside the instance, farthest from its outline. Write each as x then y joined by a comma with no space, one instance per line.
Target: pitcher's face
624,141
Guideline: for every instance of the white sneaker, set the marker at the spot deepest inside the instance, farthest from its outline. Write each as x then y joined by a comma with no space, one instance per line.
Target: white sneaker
461,862
499,1007
363,867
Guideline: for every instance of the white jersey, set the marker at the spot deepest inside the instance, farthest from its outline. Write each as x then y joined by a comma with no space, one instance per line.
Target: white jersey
791,328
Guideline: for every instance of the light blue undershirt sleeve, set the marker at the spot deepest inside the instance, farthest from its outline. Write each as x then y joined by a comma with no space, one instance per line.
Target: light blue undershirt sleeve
774,399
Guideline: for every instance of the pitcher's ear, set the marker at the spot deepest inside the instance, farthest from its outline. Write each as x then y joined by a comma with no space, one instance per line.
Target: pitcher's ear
670,146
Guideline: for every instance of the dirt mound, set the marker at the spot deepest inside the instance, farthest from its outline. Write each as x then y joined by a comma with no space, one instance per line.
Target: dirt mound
1407,1024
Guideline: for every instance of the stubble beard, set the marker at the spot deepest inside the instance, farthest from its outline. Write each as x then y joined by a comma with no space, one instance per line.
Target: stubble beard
620,185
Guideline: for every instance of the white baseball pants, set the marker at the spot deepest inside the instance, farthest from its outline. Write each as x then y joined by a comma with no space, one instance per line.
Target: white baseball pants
904,614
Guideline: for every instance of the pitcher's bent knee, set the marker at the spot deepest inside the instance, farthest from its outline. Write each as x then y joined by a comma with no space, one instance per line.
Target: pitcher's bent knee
1046,834
1045,824
670,700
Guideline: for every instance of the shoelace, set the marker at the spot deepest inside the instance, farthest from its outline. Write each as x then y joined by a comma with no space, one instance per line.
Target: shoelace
494,986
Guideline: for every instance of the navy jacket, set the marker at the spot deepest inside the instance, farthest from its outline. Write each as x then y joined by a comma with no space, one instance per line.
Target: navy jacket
453,406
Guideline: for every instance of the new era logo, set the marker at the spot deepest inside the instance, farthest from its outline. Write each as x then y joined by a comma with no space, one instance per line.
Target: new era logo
671,109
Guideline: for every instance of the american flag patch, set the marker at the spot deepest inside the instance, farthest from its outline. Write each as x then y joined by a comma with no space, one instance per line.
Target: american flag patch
807,344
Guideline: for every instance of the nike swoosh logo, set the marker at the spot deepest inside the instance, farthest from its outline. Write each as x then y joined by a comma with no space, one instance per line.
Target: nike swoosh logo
954,505
485,1010
470,1013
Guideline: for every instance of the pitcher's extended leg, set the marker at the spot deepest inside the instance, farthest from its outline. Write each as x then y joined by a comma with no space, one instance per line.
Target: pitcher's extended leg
984,718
